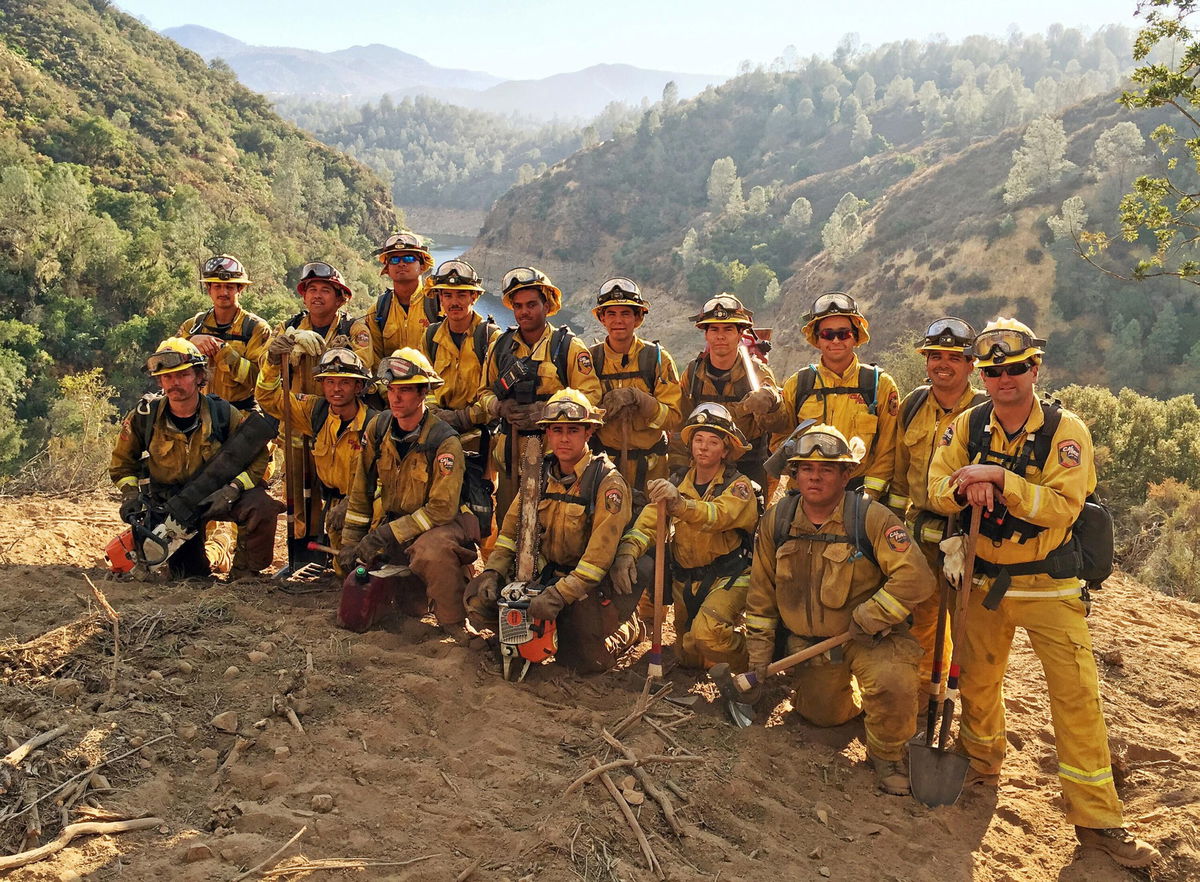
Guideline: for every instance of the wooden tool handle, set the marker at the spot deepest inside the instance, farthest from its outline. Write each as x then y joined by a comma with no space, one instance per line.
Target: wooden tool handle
748,681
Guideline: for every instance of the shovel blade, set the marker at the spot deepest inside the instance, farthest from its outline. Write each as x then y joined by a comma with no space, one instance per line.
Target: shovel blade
935,776
741,713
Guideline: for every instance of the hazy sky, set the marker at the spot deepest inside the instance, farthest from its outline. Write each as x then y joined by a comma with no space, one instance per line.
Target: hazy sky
522,39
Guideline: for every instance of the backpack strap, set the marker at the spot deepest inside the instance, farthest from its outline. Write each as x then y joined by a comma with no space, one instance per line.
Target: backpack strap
912,404
873,372
806,380
294,321
649,358
560,349
319,415
383,308
433,309
483,336
431,347
220,412
854,513
589,484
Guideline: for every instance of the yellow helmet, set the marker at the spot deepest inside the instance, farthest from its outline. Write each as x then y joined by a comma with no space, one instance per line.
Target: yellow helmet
724,309
407,367
530,277
340,362
570,406
824,443
831,304
403,242
455,275
1007,341
620,292
948,334
224,268
172,355
714,417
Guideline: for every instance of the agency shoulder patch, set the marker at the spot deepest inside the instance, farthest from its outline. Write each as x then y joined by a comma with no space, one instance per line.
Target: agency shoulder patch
612,500
362,337
1068,453
894,403
445,463
741,489
584,363
897,539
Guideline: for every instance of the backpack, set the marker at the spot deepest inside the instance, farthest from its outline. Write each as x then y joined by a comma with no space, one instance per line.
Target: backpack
785,513
649,359
344,322
918,396
247,329
1092,542
694,386
868,382
481,336
559,349
589,484
220,414
383,308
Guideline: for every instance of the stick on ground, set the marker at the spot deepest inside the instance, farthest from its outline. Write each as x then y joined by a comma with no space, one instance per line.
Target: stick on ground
648,785
631,819
99,828
272,857
39,740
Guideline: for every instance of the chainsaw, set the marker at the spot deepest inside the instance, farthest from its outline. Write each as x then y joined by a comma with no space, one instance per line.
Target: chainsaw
532,640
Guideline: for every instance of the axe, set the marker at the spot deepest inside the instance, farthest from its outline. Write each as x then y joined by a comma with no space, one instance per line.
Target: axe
732,687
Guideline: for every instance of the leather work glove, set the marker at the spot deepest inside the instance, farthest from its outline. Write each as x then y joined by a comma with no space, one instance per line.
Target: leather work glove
459,420
623,573
862,637
954,562
616,400
279,348
335,518
308,343
131,503
755,692
519,416
661,488
647,405
220,503
347,557
485,586
761,401
380,542
547,605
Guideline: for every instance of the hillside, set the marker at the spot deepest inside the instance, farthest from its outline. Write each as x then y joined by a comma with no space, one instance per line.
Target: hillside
124,162
910,146
428,757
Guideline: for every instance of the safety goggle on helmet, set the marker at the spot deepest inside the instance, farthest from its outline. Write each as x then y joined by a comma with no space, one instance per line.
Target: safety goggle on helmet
620,292
948,334
224,268
724,309
340,363
320,271
824,443
1006,345
407,367
456,275
570,406
713,417
530,277
175,354
832,304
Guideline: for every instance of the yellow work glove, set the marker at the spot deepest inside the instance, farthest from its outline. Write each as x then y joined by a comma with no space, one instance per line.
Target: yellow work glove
661,488
954,561
308,343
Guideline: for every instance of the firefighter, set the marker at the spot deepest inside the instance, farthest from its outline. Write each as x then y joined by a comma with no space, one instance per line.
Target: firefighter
584,508
168,438
713,510
925,414
727,373
334,421
231,339
641,387
400,314
525,366
828,559
858,400
412,462
315,328
1030,466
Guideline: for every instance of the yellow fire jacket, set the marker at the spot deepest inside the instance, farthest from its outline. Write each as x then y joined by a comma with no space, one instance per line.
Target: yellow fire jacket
585,554
418,484
700,384
850,414
301,378
337,446
460,367
174,456
814,587
403,327
620,370
233,372
712,524
1050,497
908,495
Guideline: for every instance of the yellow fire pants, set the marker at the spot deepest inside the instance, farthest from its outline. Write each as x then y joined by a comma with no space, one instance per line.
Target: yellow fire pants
713,636
924,626
1058,633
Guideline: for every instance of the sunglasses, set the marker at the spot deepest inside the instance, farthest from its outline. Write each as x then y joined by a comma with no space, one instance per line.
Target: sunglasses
834,301
521,276
820,444
836,333
992,371
396,259
165,361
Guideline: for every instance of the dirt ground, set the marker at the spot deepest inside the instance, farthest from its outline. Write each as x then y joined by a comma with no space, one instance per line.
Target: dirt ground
430,758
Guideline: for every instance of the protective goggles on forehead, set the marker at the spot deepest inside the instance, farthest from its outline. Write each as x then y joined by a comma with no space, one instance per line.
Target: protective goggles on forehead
455,272
169,360
710,413
949,332
223,268
318,270
722,302
821,444
613,287
394,368
339,360
1003,343
835,301
522,275
564,410
402,240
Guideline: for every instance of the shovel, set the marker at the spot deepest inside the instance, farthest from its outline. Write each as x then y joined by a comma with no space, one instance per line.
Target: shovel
732,687
936,774
654,671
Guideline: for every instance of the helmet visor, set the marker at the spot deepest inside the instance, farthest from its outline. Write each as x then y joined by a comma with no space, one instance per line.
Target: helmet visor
398,241
821,444
520,277
317,270
1003,343
722,301
949,332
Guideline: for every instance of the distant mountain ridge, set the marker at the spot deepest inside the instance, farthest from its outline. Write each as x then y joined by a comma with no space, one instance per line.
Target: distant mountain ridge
369,72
